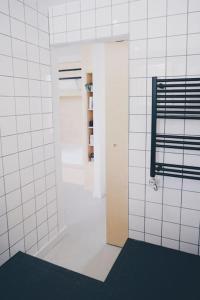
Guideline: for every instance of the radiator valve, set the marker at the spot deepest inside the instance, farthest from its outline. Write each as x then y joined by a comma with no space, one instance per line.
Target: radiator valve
153,183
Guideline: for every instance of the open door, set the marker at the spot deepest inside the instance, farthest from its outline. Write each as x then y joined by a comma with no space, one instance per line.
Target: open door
117,142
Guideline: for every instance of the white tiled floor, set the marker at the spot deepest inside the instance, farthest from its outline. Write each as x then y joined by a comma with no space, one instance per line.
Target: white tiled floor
84,249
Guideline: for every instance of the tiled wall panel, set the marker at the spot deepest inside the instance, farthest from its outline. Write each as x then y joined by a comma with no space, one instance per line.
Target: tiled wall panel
28,204
88,20
163,41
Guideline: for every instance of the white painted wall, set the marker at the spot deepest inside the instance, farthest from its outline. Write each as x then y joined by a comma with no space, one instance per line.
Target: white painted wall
71,118
93,54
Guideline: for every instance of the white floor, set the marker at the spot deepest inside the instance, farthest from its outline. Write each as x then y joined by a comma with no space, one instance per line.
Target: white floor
84,248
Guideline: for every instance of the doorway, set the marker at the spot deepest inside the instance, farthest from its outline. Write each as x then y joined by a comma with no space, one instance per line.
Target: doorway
94,104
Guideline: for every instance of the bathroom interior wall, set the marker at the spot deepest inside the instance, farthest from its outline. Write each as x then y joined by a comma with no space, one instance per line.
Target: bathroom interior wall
164,40
71,118
28,205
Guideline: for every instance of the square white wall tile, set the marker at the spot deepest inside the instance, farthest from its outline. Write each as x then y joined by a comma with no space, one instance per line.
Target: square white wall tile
72,7
30,16
15,217
153,226
103,31
26,175
194,5
176,45
157,27
4,24
138,30
87,19
87,4
156,67
136,223
88,34
4,7
190,217
10,163
3,224
156,8
22,105
13,199
12,182
29,208
18,29
170,230
59,10
102,3
138,10
19,68
136,207
177,24
189,248
177,7
193,68
153,196
189,235
3,242
73,22
59,24
194,44
193,22
103,16
28,192
120,29
154,210
171,214
43,23
16,9
42,230
2,206
170,243
152,239
8,125
157,47
176,65
24,141
16,234
4,257
5,66
137,49
30,224
120,13
137,175
138,105
9,145
172,197
5,45
31,239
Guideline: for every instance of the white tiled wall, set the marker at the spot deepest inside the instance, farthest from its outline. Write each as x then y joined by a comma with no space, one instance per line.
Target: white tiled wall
88,19
28,205
164,40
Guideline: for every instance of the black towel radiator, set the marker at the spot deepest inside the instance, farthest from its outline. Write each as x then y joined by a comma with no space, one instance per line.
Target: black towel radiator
179,99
